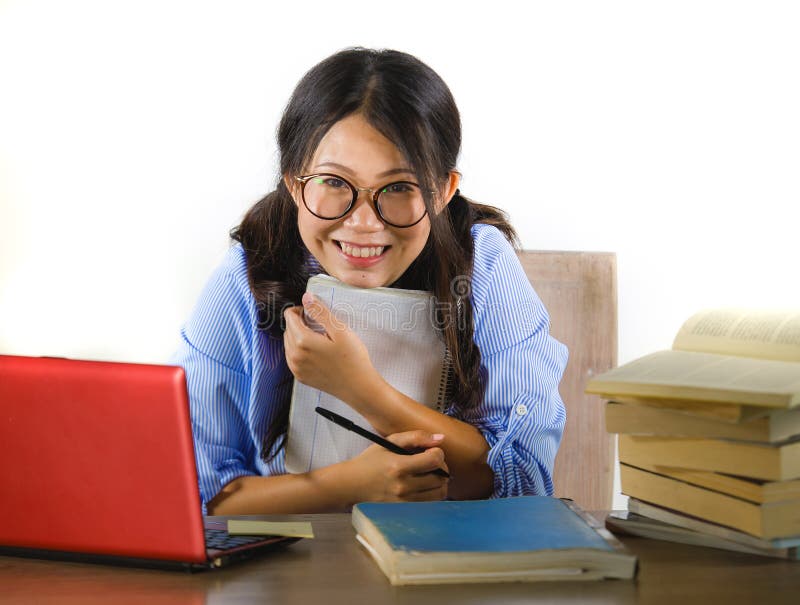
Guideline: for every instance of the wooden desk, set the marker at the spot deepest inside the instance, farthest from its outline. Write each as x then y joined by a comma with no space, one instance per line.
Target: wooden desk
333,569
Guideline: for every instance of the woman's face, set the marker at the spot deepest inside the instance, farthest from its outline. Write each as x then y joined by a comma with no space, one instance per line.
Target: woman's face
354,150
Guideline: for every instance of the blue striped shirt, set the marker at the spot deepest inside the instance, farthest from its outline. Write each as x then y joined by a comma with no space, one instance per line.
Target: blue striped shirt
237,375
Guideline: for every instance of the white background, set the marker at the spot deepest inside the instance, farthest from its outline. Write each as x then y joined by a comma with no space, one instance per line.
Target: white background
133,136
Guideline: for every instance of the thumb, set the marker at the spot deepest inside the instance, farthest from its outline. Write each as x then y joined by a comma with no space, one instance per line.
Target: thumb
416,440
318,316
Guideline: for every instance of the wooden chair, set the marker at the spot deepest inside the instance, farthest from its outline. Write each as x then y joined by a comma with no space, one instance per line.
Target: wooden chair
579,290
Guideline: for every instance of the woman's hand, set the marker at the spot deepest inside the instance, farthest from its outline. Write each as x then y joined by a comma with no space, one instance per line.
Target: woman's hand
336,362
377,474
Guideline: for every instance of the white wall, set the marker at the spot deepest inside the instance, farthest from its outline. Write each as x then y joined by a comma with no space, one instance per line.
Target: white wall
134,135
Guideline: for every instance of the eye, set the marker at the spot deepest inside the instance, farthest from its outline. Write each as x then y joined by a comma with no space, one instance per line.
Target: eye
331,181
397,188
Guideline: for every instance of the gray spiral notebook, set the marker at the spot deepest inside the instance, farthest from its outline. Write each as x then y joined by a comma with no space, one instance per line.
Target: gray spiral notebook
398,328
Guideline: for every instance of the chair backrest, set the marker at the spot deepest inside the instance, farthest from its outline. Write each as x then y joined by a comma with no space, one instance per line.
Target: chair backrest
579,290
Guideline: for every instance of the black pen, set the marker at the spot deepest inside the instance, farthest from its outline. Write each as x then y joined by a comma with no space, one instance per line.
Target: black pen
352,426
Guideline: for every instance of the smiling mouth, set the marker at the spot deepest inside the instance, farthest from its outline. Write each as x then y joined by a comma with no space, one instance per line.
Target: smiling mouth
361,251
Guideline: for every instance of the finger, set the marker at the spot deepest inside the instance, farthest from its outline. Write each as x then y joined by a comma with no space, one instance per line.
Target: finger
289,326
437,492
289,343
319,313
424,462
416,439
299,333
294,325
404,484
424,482
440,493
435,470
293,317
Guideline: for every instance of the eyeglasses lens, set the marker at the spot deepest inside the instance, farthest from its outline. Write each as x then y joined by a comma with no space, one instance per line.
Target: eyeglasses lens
327,196
401,204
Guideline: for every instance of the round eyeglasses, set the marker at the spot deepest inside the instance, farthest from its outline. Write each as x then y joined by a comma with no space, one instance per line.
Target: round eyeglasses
330,197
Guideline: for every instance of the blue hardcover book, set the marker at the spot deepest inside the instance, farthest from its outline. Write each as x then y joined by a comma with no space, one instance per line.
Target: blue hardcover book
528,538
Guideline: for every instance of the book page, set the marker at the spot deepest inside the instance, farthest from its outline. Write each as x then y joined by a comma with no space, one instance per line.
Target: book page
704,377
742,332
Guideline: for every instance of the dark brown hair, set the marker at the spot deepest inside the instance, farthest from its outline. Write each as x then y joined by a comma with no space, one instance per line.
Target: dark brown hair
407,102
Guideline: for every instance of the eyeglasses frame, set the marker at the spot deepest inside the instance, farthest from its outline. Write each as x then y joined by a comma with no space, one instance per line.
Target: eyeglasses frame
375,192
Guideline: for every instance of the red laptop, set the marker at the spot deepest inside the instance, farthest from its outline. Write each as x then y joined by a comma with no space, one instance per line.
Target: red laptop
97,464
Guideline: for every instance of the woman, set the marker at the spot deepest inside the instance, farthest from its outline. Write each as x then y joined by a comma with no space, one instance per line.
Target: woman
369,194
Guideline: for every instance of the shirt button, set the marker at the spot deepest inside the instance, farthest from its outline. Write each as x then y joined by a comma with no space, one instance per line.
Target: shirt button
522,409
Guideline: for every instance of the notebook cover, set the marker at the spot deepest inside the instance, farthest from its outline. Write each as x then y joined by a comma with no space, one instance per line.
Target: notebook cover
521,524
397,327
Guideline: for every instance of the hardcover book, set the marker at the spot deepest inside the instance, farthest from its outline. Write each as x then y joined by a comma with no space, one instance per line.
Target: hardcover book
767,521
754,490
675,518
769,427
522,539
627,522
778,462
712,410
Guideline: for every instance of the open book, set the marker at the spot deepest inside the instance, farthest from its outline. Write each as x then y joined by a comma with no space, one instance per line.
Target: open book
398,328
745,358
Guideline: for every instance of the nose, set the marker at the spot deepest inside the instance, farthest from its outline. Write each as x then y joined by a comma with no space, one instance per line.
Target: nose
364,215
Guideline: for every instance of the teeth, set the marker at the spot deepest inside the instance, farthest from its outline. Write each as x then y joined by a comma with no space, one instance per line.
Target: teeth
362,252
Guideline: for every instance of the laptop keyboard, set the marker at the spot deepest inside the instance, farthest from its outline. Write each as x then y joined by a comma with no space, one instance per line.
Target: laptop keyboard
220,539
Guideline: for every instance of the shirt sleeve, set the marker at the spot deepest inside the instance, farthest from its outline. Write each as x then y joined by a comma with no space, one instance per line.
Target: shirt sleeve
214,351
522,415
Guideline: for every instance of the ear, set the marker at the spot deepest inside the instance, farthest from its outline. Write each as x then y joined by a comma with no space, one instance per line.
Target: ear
293,186
449,190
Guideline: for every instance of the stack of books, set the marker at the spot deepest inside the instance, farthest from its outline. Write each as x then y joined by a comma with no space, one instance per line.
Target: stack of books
709,434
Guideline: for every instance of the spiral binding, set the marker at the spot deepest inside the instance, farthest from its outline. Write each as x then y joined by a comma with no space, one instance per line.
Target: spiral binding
443,395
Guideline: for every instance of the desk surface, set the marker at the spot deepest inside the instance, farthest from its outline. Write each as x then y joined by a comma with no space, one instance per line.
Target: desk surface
332,568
